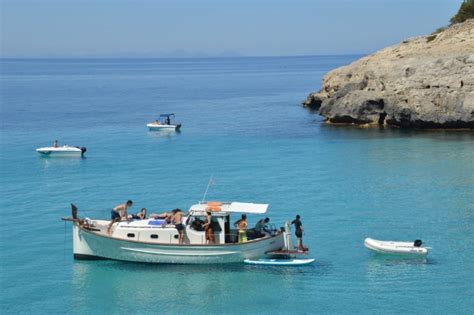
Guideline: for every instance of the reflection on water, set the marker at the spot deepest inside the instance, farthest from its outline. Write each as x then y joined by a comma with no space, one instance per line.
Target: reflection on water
380,132
47,162
164,134
389,268
160,284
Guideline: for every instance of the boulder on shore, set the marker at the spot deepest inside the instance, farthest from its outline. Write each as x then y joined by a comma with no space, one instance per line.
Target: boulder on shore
423,82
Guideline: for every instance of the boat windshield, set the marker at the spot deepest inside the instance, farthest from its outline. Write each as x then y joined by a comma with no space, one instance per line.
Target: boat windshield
165,119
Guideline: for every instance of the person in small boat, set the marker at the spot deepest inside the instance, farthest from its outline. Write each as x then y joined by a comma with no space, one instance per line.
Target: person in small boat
167,121
208,228
299,232
177,220
242,224
119,212
56,144
261,227
140,215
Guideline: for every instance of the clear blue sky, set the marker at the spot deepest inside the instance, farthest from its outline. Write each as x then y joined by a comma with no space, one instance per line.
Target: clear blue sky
71,28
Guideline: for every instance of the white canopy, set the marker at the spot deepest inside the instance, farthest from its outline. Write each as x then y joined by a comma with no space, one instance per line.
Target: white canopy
236,207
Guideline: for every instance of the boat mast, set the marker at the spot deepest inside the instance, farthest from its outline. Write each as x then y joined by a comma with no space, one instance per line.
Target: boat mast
211,182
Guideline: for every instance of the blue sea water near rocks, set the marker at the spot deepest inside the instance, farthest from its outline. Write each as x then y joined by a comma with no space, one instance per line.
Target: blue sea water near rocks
243,124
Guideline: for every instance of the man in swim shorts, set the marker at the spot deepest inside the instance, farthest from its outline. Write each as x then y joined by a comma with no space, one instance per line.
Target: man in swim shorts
119,212
299,232
177,218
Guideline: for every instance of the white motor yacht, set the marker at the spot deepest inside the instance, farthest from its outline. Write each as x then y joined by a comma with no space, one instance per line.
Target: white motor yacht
155,241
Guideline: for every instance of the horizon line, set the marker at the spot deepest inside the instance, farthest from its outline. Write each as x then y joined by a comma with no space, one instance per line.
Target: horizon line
177,57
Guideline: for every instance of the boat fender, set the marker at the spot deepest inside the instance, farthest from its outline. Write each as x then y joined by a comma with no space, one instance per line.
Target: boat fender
417,243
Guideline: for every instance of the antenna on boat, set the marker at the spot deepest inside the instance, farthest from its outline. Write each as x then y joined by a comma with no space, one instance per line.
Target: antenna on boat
211,182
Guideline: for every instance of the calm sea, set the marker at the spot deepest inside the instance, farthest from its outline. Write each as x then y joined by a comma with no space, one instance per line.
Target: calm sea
243,123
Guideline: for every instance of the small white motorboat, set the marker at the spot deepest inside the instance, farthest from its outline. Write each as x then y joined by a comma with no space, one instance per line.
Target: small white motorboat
62,151
396,248
164,123
280,262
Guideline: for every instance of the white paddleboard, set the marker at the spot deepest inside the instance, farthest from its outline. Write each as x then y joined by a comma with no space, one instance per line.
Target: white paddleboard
280,262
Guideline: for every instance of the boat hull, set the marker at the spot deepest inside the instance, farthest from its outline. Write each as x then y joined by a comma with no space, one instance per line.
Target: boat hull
90,245
61,151
153,127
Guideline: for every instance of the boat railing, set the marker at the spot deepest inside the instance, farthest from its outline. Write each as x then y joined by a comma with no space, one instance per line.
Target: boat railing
230,238
201,239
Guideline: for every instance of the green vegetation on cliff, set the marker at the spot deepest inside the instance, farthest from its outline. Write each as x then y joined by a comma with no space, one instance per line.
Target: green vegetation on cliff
466,11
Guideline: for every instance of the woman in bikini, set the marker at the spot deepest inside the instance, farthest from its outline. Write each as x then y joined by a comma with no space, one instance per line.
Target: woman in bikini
242,226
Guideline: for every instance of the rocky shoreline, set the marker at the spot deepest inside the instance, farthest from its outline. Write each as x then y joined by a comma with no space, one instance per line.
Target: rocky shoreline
425,82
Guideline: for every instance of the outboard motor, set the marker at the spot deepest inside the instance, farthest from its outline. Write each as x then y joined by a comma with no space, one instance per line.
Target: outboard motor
83,150
287,236
417,243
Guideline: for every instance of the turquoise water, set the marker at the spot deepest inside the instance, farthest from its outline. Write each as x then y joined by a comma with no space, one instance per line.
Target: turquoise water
243,123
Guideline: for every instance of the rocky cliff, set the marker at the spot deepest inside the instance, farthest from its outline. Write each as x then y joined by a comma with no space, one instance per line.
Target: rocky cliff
423,82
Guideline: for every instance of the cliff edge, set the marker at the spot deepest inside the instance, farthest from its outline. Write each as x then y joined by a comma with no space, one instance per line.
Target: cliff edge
423,82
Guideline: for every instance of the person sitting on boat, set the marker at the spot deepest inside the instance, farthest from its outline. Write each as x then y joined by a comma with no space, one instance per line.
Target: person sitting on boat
166,216
56,144
162,215
197,225
140,215
177,220
299,232
262,227
119,212
242,224
208,228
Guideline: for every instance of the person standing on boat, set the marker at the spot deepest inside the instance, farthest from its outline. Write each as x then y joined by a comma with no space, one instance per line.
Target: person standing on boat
261,227
299,232
177,220
242,224
119,212
56,144
208,228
